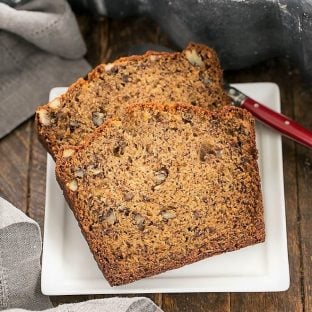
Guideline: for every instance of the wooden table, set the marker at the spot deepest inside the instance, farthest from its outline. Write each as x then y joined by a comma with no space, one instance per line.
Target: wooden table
23,170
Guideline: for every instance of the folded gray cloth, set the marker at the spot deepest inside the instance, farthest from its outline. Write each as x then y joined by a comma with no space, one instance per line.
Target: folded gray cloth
40,48
135,304
20,251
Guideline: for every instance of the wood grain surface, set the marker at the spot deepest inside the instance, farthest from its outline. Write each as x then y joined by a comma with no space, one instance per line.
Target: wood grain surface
303,112
23,165
14,166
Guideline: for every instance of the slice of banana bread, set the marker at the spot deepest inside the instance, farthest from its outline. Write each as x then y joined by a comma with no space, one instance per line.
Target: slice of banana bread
192,76
165,186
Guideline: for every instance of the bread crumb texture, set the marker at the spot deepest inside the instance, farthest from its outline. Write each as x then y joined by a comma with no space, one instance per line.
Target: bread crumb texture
164,186
192,76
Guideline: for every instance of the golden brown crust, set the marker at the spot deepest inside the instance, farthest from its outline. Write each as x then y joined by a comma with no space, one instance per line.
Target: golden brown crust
249,233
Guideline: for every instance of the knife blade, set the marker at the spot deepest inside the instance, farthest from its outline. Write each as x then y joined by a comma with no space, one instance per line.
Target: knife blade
268,116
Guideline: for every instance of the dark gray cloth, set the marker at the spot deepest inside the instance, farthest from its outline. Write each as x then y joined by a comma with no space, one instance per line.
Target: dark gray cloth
243,32
40,48
20,251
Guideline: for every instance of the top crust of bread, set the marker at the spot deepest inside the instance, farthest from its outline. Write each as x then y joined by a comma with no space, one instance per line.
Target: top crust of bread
192,76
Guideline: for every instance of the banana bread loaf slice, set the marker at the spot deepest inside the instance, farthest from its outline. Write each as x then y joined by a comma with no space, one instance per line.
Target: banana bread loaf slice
165,186
192,76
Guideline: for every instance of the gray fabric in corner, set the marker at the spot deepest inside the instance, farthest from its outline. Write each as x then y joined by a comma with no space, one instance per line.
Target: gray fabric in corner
40,48
20,251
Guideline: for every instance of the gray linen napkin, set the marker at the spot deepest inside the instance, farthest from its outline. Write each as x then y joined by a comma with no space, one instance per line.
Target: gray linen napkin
40,48
135,304
20,251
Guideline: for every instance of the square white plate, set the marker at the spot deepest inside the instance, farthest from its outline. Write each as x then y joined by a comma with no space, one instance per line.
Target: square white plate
69,268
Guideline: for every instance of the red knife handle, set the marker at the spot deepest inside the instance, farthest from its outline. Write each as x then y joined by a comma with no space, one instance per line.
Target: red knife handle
279,122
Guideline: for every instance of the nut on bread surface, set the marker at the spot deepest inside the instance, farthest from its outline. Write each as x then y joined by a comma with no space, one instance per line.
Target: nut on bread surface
193,76
165,185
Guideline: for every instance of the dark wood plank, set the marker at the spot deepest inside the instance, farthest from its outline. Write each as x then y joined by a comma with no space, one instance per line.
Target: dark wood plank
57,300
96,37
108,39
303,114
37,179
133,31
14,166
279,72
196,302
